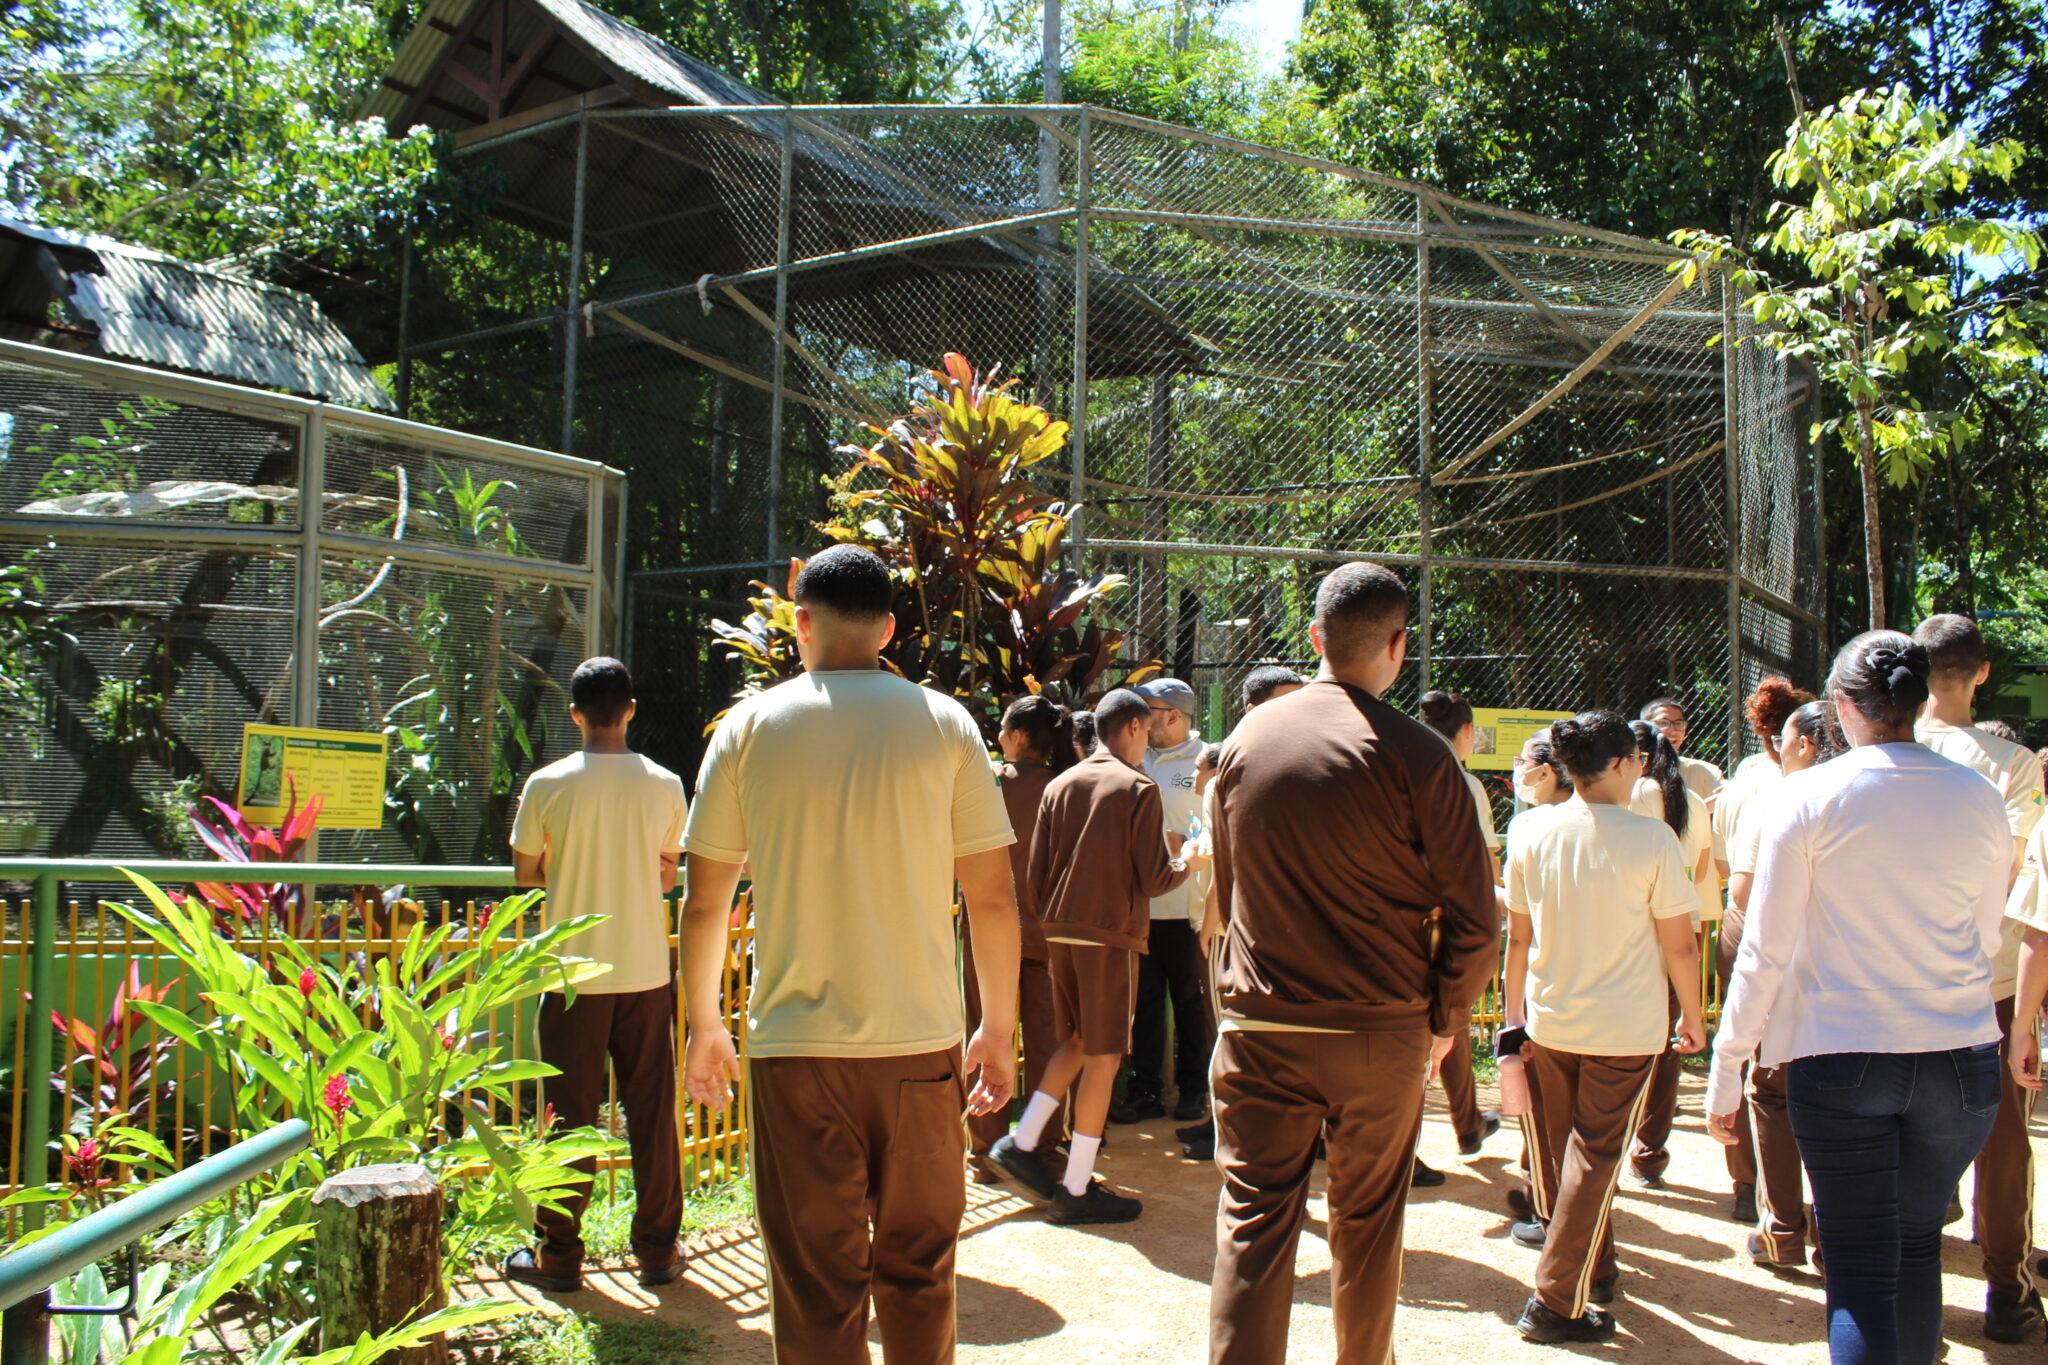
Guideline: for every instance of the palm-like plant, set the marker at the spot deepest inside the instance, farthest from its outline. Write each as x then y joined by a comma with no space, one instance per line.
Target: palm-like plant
984,610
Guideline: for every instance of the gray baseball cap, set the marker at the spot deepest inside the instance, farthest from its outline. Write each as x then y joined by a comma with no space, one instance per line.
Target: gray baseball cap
1172,691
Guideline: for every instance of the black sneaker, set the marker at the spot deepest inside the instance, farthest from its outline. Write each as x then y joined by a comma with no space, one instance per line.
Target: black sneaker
1099,1205
1745,1204
1604,1289
1540,1324
1761,1254
1530,1235
1137,1109
2011,1320
542,1271
1650,1180
1026,1168
1425,1177
1201,1148
1190,1106
1489,1124
1521,1205
1195,1132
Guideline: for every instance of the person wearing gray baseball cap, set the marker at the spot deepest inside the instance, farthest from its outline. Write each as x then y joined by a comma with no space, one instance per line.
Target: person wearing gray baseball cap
1172,972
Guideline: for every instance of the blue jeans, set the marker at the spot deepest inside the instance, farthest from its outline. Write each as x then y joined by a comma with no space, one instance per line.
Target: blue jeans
1885,1137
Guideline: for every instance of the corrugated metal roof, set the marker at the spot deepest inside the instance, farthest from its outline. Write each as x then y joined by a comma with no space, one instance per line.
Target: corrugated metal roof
162,311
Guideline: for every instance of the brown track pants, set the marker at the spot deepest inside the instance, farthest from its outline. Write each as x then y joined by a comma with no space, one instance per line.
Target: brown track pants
1583,1110
2004,1198
1461,1087
1034,1017
858,1192
1781,1194
1275,1094
636,1030
1650,1155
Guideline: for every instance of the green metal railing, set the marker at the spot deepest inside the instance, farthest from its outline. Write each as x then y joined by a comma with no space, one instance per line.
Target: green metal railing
27,1274
47,876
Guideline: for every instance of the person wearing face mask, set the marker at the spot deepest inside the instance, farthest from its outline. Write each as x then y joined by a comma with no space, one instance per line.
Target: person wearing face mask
1866,970
1810,735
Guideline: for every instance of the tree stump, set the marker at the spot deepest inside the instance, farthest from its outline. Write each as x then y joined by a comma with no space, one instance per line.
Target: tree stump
377,1256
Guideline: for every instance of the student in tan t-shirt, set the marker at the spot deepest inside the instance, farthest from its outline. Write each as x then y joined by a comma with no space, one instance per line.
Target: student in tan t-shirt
1599,937
1037,740
859,798
1098,856
2004,1200
602,830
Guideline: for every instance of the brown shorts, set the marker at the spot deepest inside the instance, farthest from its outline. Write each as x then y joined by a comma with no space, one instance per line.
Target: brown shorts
1094,991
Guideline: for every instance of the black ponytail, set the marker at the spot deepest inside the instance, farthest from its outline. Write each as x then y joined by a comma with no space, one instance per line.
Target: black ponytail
1589,742
1883,674
1446,713
1047,727
1816,724
1543,754
1662,768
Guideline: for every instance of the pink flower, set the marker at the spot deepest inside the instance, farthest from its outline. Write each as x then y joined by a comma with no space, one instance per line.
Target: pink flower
483,918
447,1041
336,1097
306,982
547,1118
85,1162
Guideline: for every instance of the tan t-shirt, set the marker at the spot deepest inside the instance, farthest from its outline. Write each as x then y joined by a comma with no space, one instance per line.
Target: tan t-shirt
1698,838
1593,879
1485,805
1701,778
604,820
2016,772
852,793
2027,906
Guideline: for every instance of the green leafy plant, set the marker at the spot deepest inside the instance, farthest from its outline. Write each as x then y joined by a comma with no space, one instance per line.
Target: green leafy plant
1890,301
984,610
428,1081
114,1073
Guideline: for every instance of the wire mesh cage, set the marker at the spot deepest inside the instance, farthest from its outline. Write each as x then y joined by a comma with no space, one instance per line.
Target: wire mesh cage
1271,363
163,582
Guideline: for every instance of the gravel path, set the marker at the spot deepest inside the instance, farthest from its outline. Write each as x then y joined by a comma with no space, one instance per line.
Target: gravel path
1120,1296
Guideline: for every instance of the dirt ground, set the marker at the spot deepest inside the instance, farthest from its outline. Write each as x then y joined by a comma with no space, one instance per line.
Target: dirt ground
1139,1294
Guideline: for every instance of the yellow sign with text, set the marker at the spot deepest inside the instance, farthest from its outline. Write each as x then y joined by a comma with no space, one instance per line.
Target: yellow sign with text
343,768
1499,735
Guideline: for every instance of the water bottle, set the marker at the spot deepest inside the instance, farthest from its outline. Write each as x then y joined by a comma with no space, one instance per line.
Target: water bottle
1514,1087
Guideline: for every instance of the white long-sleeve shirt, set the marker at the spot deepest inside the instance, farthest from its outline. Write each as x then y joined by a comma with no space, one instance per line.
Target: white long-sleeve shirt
1879,892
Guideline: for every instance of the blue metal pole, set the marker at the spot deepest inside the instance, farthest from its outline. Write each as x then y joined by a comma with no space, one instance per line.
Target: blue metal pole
68,1250
39,1054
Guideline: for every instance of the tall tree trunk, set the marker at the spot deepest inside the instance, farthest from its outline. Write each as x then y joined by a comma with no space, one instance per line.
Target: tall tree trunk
1873,540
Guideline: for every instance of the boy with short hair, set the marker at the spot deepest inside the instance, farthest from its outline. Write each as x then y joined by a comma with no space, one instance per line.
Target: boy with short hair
602,830
2004,1199
1098,857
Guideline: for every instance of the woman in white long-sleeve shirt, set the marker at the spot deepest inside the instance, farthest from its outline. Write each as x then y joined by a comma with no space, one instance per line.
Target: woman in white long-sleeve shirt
1866,966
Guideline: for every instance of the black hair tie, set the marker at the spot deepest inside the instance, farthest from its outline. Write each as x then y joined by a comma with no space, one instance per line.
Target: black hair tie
1894,666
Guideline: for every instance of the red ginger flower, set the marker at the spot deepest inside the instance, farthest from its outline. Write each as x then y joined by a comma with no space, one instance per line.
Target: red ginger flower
307,980
336,1097
85,1162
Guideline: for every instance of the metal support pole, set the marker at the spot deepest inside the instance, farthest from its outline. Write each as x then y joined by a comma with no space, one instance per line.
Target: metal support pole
1077,442
25,1328
40,1052
785,196
1824,643
572,323
1425,451
1731,466
306,632
404,326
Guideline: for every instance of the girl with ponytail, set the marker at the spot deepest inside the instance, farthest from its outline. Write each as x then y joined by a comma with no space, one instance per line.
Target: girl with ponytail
1599,936
1037,739
1662,794
1865,971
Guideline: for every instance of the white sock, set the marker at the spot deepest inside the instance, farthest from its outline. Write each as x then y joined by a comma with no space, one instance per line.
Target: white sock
1038,1111
1081,1162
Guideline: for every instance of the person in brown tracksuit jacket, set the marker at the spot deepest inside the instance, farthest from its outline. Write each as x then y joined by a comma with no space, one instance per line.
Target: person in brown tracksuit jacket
1359,926
1037,739
1098,857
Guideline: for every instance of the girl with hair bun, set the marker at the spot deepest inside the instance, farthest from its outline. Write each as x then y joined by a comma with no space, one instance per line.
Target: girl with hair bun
1865,971
1599,936
1037,740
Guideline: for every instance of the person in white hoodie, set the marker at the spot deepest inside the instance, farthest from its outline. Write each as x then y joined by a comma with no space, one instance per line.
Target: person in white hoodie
1866,970
1172,971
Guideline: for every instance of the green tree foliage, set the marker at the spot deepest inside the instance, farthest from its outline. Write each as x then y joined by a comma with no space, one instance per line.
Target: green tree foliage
202,127
1886,296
